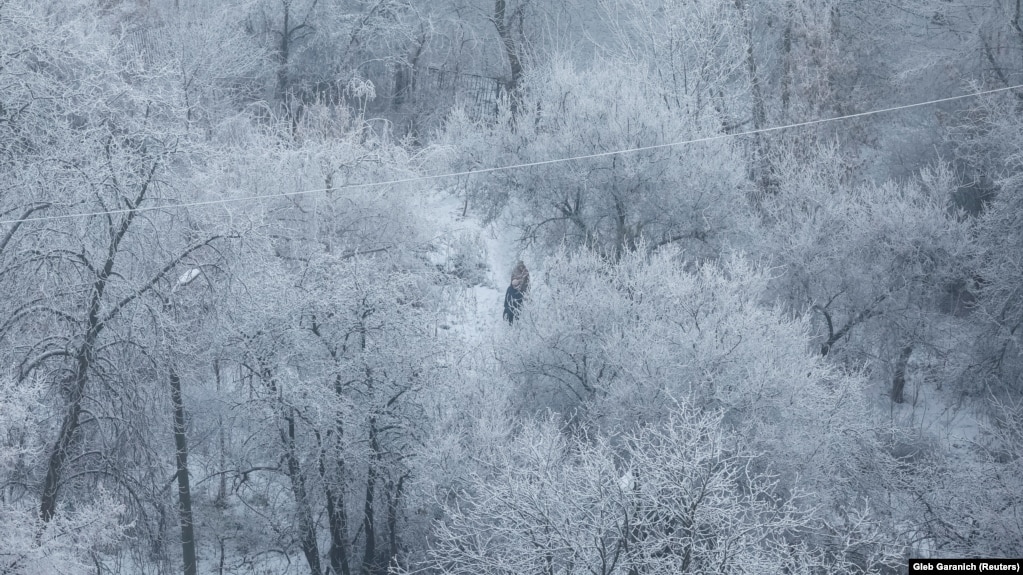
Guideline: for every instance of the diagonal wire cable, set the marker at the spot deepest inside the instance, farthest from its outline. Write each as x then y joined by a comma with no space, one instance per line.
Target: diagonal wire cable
429,177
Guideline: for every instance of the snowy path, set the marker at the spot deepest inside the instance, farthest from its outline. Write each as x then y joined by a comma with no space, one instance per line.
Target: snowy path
473,312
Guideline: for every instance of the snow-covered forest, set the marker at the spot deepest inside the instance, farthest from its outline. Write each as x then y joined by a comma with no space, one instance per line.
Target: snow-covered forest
257,313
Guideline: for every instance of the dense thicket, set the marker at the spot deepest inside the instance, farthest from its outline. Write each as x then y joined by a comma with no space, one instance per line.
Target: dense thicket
236,338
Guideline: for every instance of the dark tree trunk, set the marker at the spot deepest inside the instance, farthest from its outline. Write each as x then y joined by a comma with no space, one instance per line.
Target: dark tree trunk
303,510
306,525
55,467
394,494
404,75
69,426
899,381
337,511
759,171
221,501
786,46
505,32
369,566
284,54
184,490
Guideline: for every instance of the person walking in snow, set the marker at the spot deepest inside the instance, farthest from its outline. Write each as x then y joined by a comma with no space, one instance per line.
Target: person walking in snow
515,292
520,277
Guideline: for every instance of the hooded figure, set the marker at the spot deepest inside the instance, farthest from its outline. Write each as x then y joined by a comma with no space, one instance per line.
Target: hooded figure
515,292
520,277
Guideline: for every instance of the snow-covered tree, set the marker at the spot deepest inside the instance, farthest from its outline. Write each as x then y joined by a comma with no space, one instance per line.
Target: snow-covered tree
875,265
613,346
687,195
69,542
679,496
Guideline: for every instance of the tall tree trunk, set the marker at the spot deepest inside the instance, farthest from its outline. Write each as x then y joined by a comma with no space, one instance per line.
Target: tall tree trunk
404,74
69,426
306,524
511,52
337,511
55,466
899,381
621,230
221,500
303,510
334,488
368,521
786,48
759,171
394,494
284,54
184,490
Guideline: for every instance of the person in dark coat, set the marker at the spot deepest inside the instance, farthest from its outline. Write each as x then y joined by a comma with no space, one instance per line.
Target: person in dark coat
515,292
512,303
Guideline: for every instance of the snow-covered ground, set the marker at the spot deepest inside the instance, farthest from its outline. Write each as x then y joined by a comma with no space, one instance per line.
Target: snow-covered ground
483,255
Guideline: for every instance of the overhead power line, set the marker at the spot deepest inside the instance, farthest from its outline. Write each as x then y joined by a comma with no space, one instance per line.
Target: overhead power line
429,177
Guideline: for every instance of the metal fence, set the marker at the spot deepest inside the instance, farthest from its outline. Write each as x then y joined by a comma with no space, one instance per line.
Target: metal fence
479,95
